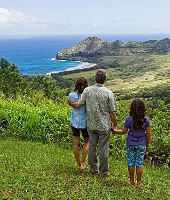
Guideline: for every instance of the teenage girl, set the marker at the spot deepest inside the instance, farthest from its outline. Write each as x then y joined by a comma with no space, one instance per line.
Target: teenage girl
79,122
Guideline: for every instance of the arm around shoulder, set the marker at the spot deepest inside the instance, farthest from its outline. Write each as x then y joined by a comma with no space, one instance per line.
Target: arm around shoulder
75,104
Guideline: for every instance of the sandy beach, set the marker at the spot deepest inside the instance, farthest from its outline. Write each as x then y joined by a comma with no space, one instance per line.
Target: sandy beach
90,65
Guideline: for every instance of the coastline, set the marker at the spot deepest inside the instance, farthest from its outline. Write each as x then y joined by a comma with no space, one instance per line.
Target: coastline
73,70
37,53
91,65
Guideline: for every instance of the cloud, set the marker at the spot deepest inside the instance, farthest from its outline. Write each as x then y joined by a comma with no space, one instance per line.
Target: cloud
87,25
91,24
13,17
137,25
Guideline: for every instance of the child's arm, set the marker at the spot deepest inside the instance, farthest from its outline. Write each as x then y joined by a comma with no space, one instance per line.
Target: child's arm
123,131
148,136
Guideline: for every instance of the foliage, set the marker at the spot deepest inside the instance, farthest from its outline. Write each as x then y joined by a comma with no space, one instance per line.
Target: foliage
11,83
158,92
46,84
158,113
43,120
136,75
118,142
160,119
39,111
61,82
47,122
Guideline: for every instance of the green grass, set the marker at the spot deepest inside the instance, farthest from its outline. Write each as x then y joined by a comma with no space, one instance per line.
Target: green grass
30,170
138,72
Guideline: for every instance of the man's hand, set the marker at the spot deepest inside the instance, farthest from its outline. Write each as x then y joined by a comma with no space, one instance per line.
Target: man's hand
113,130
74,104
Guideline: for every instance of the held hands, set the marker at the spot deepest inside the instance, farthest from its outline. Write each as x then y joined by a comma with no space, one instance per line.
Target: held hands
113,129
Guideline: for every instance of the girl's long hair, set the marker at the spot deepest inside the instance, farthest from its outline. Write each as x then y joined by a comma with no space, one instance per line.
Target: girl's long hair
80,84
138,112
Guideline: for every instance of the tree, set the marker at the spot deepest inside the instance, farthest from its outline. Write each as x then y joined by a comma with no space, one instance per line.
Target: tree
11,82
48,86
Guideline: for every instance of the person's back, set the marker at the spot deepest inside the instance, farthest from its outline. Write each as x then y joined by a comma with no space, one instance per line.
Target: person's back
78,122
78,116
99,104
137,124
136,136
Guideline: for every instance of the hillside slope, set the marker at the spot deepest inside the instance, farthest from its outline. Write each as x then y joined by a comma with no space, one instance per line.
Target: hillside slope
36,171
93,49
137,73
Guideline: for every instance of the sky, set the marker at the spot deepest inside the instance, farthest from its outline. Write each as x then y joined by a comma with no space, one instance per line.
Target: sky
55,17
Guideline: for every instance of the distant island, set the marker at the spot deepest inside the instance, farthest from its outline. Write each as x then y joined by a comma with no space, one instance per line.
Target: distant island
95,50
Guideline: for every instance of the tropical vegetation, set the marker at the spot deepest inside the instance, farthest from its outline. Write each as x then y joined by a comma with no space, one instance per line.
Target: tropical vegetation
36,142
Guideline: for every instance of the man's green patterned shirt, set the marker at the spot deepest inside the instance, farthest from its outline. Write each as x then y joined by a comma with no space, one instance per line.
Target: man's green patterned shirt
100,101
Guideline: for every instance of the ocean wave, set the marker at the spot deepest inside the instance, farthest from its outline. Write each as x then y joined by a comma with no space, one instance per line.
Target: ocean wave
53,59
80,66
63,60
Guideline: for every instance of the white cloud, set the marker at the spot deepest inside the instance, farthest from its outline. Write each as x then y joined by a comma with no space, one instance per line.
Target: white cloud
14,17
92,24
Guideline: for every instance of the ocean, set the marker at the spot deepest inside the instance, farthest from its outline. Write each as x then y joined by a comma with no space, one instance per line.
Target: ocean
35,55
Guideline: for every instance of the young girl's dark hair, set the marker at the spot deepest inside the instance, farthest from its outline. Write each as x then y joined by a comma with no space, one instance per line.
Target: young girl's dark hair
138,112
80,84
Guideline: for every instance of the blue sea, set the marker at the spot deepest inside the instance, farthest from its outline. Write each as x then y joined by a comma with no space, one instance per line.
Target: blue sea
35,55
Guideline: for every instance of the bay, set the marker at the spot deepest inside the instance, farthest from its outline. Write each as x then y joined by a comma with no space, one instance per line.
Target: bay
35,55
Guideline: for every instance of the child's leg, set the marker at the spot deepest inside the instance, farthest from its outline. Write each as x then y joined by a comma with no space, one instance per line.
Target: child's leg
139,171
139,163
131,156
84,152
76,150
76,134
131,170
85,147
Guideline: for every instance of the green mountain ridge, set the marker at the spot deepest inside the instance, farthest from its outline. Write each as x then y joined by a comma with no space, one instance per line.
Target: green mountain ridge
93,49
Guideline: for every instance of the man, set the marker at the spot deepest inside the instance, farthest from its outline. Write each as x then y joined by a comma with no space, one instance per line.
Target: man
100,107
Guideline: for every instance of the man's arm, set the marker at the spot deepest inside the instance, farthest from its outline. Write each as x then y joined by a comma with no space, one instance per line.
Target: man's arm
114,119
74,104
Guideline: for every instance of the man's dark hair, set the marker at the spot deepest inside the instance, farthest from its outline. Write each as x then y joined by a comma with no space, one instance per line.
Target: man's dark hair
100,76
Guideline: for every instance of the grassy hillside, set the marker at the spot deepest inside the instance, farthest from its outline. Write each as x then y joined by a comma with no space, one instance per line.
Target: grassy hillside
30,170
48,122
46,170
135,73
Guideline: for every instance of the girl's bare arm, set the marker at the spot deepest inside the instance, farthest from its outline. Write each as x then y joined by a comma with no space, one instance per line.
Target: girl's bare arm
123,131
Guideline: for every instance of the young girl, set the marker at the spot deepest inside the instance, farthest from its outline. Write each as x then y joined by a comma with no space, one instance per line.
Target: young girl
79,122
138,127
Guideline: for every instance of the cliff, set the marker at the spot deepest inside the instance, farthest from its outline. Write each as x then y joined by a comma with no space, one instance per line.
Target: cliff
93,49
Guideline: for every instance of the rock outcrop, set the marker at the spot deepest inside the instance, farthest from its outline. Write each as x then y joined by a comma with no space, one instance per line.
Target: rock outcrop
92,49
